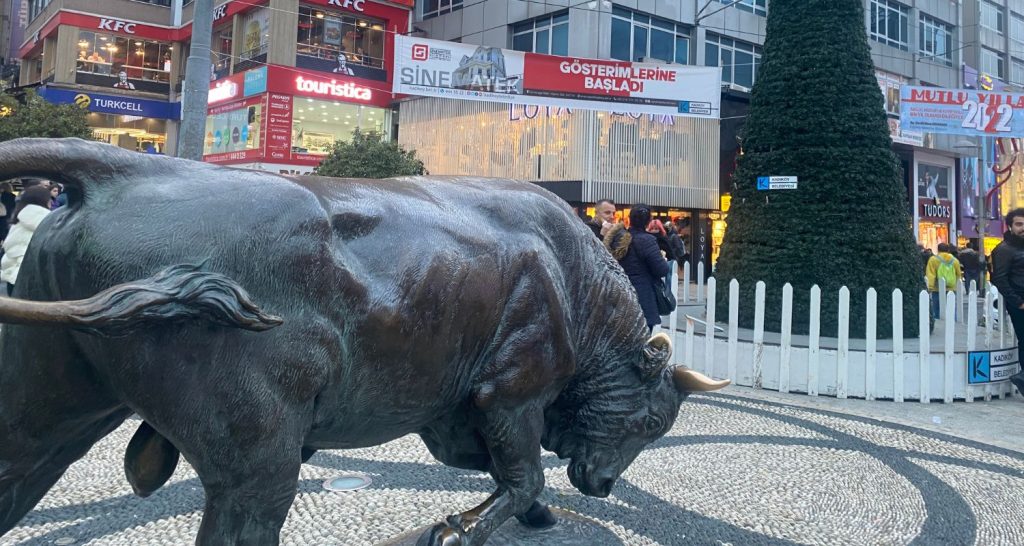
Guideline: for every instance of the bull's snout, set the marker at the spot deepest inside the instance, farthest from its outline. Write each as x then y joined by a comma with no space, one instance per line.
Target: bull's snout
592,480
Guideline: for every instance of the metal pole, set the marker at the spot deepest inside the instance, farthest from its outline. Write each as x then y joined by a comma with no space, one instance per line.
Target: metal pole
982,214
196,88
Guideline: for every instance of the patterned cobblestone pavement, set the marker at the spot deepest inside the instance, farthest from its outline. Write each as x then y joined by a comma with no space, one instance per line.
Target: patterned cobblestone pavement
734,470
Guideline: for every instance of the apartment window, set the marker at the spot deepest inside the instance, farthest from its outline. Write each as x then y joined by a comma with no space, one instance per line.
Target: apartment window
165,3
330,35
739,60
433,8
936,40
35,7
992,17
548,35
890,23
759,7
637,36
1016,71
1017,30
992,63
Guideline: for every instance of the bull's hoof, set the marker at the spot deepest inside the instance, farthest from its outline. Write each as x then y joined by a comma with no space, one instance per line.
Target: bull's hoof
442,534
537,516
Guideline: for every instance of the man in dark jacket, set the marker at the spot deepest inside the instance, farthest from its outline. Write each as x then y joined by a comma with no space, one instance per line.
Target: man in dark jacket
1008,276
604,218
971,263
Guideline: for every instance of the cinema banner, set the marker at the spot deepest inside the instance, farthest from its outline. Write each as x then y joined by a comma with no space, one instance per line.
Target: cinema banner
433,68
970,112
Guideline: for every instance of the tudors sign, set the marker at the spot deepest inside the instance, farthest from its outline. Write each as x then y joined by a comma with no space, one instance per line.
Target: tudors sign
940,211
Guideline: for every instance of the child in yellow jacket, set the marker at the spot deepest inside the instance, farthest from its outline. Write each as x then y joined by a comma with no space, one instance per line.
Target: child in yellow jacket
942,266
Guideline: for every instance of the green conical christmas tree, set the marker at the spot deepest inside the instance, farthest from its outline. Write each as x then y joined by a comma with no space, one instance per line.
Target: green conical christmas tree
817,113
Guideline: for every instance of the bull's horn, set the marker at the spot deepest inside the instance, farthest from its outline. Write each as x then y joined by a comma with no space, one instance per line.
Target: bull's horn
687,380
657,352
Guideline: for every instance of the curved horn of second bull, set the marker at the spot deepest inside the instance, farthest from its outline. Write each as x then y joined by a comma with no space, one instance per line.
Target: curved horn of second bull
687,380
180,292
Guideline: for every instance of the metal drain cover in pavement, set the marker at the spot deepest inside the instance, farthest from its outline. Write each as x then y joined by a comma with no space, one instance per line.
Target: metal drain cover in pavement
347,482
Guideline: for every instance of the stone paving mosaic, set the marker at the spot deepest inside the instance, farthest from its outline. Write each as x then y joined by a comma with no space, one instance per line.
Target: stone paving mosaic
732,471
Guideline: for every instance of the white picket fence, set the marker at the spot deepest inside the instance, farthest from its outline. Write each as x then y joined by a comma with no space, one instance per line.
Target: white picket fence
837,370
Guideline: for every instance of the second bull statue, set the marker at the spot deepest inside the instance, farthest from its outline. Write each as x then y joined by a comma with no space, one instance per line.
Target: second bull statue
252,319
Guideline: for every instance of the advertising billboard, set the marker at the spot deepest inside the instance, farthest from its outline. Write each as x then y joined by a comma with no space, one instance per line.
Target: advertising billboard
435,68
969,112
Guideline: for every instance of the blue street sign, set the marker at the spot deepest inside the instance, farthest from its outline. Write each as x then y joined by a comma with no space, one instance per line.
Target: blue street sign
984,367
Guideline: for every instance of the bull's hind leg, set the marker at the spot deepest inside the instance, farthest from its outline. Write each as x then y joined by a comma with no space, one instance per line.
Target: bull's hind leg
247,453
52,410
247,506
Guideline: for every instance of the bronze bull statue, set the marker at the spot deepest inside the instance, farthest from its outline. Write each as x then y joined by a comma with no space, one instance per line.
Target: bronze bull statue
251,319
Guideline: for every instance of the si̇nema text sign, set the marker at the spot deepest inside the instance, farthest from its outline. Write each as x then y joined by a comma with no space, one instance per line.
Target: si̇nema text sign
450,70
971,112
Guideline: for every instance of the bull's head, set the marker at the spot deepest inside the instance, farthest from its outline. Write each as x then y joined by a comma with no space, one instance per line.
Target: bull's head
602,427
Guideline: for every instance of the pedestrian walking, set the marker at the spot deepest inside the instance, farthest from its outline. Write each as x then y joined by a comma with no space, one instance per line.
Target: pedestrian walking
1008,277
55,192
676,243
33,206
942,266
970,261
637,252
656,228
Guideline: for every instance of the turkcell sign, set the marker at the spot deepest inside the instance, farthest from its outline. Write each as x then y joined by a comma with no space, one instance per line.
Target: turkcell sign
113,104
776,182
984,367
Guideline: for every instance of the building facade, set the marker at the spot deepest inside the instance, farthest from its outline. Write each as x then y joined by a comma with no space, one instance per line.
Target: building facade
288,77
920,42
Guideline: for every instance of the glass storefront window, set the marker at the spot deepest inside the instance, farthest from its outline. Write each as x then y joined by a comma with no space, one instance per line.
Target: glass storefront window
129,132
220,48
235,130
933,181
316,124
325,35
110,55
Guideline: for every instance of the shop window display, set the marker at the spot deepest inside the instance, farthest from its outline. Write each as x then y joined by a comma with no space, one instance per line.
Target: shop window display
340,43
122,62
317,124
935,208
129,132
234,130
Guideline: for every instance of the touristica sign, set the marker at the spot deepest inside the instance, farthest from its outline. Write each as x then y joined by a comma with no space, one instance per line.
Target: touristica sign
971,112
434,68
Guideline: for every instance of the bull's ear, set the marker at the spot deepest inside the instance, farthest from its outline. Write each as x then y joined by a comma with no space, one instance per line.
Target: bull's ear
687,380
657,352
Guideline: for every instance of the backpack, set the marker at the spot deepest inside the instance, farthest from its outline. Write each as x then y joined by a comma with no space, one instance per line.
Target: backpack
947,272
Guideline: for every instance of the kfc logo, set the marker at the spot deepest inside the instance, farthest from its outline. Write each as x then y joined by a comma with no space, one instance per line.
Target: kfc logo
420,52
114,25
348,4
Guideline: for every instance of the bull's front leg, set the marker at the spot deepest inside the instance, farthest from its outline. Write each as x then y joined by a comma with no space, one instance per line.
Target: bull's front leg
512,436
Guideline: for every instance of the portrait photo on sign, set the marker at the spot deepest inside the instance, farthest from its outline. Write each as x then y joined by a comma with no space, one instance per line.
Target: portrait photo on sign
932,181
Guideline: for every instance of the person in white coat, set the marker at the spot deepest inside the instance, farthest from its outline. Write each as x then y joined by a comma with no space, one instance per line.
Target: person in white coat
33,206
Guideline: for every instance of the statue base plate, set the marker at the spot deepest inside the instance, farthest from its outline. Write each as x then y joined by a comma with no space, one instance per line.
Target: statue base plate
571,530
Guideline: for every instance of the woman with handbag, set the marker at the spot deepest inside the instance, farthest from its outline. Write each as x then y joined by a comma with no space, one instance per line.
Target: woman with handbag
637,251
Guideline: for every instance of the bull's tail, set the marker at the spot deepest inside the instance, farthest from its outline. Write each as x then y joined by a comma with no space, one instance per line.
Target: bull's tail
178,293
